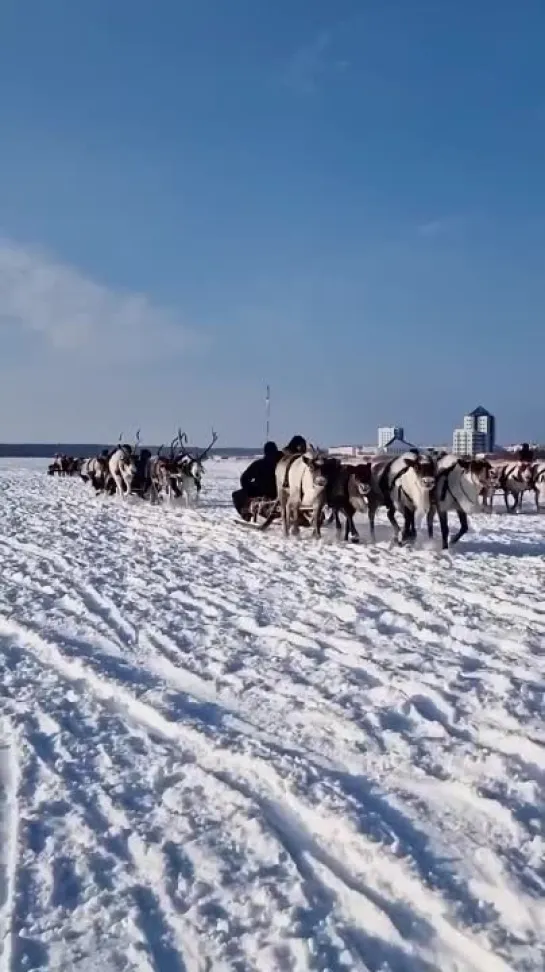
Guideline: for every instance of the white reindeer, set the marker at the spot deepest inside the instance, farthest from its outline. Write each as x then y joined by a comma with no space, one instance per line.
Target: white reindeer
122,467
301,482
189,469
538,483
513,479
404,484
97,472
459,485
179,475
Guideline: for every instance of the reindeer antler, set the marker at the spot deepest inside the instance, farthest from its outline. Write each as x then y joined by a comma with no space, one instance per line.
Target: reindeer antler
207,450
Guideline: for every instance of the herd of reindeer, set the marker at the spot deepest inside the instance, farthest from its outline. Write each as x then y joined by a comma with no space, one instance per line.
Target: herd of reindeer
314,487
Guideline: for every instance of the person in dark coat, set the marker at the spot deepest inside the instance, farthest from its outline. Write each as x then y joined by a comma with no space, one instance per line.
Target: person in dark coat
257,480
296,446
525,454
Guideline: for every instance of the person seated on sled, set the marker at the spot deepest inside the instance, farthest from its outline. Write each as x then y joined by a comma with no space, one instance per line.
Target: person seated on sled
297,446
258,480
525,454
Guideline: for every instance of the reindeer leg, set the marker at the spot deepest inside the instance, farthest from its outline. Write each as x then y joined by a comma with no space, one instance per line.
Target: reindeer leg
284,507
350,525
409,531
464,527
443,523
371,514
390,513
430,523
317,518
510,509
118,483
294,509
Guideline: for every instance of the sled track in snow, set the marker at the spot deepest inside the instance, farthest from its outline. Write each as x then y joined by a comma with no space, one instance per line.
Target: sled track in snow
228,751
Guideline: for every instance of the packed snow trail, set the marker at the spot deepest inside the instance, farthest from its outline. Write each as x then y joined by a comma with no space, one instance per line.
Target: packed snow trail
222,750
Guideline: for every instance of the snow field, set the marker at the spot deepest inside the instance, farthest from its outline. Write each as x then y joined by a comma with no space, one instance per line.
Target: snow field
224,750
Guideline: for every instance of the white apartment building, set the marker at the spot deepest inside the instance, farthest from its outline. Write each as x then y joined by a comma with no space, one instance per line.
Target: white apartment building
388,432
477,435
468,442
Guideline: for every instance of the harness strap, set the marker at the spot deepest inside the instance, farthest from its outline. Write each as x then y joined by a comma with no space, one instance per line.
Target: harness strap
384,486
448,489
289,464
387,488
443,475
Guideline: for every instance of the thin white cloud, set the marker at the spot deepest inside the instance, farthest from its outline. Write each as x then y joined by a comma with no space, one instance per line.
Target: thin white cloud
320,59
73,315
307,64
439,227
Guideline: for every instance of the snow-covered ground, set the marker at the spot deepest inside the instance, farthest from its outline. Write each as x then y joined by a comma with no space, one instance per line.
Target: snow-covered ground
221,750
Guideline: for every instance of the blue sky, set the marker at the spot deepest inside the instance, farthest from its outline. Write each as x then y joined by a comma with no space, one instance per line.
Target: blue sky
343,199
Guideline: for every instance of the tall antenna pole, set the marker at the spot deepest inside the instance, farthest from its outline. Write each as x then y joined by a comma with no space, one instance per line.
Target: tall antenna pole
267,412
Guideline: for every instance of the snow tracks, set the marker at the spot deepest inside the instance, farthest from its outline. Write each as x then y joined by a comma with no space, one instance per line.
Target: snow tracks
219,750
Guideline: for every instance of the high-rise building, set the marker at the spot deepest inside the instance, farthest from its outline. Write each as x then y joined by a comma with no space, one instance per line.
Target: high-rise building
478,433
388,432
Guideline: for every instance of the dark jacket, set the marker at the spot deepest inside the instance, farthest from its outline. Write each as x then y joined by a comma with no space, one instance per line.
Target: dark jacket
259,478
525,454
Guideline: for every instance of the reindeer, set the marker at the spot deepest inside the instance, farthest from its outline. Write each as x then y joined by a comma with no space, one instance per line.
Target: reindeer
64,466
97,472
538,483
302,482
513,478
84,470
162,472
348,493
190,468
179,474
459,484
122,466
404,484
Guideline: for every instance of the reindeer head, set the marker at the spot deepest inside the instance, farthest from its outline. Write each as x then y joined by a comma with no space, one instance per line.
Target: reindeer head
187,467
480,470
321,466
128,463
424,468
362,476
194,464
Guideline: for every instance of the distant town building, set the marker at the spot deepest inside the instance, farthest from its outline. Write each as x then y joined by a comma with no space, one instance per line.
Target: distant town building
388,432
478,433
396,446
344,450
352,451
